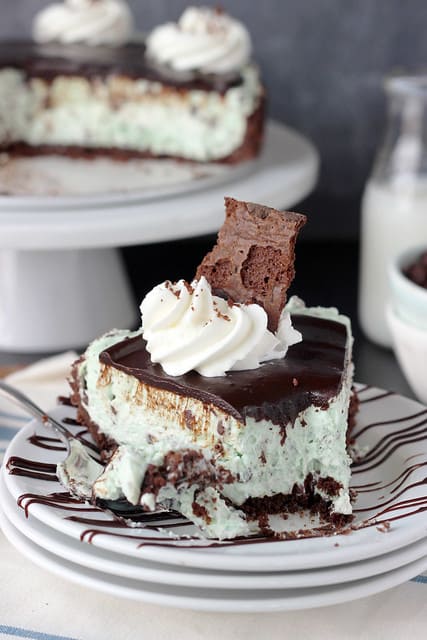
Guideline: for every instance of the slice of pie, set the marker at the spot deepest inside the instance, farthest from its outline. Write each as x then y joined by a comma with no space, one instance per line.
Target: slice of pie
229,405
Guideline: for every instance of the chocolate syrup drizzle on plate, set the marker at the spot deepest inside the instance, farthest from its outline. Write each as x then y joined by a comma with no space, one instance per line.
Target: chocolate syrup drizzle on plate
393,501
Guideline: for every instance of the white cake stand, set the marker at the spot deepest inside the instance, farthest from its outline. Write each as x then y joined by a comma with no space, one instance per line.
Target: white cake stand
62,282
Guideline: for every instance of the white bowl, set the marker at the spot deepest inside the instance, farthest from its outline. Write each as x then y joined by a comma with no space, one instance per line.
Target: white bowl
408,300
407,320
410,347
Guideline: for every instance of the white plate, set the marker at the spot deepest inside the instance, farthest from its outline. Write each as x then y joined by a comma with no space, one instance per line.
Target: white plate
135,568
55,181
392,474
237,601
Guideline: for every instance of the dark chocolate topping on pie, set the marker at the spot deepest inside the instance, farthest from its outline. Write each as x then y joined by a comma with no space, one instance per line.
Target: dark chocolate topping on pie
53,59
269,392
253,259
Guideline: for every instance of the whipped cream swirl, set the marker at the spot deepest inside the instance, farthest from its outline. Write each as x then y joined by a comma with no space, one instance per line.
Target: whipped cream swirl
94,22
204,39
188,328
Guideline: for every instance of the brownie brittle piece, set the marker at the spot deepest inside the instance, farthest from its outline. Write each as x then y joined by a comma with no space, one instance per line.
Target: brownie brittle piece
253,259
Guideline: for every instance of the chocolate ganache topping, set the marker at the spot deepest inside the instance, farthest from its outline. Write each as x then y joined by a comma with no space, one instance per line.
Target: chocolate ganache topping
277,391
50,60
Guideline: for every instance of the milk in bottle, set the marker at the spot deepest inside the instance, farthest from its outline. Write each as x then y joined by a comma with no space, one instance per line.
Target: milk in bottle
394,205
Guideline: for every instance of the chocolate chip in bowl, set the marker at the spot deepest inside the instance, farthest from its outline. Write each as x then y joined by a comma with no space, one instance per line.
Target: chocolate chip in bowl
417,270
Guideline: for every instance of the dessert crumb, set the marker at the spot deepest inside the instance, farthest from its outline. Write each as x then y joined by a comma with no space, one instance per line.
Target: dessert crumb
220,428
384,527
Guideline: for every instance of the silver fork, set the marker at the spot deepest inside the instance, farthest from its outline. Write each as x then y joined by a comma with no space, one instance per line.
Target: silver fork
120,507
33,409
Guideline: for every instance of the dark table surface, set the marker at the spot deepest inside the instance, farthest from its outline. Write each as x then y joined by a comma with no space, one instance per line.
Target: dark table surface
326,274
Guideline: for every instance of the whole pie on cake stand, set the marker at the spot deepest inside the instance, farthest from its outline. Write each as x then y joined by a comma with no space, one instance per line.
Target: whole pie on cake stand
183,123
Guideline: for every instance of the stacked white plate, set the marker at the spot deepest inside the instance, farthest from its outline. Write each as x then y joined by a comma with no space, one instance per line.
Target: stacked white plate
170,565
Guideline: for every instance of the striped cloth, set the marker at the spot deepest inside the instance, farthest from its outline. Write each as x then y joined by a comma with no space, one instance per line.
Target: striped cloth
37,605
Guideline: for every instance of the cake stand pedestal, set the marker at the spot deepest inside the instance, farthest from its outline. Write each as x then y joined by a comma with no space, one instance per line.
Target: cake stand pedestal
54,300
62,282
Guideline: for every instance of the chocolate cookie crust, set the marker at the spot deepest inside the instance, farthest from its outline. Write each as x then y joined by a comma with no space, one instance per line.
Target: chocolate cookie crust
253,259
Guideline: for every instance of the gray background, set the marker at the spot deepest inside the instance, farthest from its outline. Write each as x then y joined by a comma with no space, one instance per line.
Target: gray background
323,62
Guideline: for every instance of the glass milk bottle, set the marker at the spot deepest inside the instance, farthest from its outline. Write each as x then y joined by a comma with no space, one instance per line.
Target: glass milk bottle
394,205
